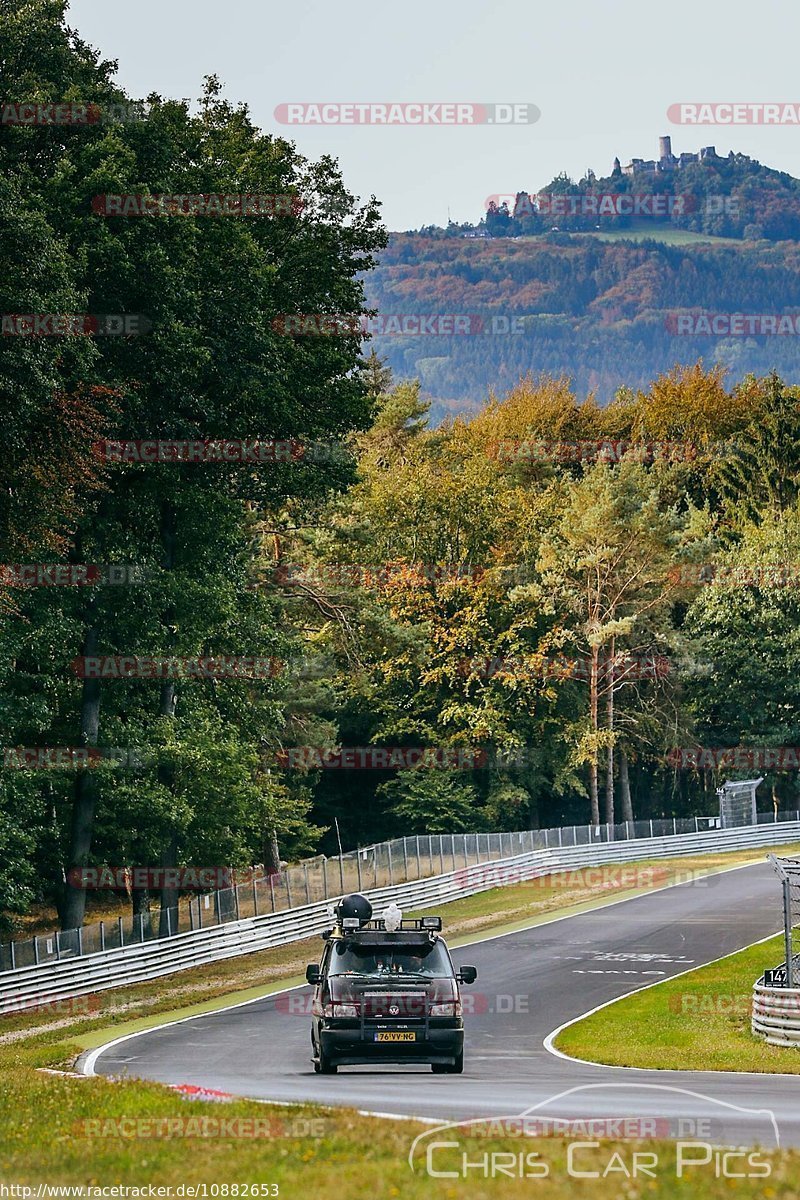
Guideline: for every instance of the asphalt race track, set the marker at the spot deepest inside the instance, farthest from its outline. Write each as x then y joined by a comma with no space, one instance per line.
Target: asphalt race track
529,983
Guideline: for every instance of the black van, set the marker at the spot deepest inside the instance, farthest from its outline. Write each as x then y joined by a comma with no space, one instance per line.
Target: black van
386,995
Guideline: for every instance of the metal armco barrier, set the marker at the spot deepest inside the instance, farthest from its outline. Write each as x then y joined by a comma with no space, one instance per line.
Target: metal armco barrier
52,982
776,1014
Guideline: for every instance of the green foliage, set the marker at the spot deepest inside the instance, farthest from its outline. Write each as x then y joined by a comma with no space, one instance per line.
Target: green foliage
432,801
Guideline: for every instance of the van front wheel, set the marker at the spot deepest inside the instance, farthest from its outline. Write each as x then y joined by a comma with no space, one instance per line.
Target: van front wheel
455,1068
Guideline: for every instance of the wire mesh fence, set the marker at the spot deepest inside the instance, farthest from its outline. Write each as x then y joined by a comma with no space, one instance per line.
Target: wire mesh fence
787,974
384,864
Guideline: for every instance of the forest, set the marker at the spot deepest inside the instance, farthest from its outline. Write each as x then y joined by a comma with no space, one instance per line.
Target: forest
382,615
607,314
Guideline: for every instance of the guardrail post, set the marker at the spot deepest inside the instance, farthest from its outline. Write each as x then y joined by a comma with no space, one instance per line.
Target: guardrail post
255,896
405,862
288,888
305,880
191,914
391,867
272,890
651,827
358,864
696,826
375,865
419,860
80,943
674,825
341,873
58,945
169,922
466,852
141,927
121,931
787,932
453,848
441,854
102,937
324,881
236,901
36,950
13,956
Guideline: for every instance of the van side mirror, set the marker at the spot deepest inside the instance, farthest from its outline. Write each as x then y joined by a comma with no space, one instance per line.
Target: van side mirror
467,974
312,973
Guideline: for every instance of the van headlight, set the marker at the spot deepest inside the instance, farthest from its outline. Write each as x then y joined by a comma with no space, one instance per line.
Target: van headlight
336,1008
446,1008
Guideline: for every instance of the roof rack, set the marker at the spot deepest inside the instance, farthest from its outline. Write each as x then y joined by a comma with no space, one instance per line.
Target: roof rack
417,924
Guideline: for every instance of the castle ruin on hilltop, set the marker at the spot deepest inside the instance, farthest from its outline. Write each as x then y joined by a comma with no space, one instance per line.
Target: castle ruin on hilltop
666,161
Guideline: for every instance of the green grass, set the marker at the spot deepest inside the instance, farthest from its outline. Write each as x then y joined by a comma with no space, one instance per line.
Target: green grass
309,1149
658,233
697,1022
645,231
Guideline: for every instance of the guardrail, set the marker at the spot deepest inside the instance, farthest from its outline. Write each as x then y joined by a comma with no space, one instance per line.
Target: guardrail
29,987
776,1014
384,864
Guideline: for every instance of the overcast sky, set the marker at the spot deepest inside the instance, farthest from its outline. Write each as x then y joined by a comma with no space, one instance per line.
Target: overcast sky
603,76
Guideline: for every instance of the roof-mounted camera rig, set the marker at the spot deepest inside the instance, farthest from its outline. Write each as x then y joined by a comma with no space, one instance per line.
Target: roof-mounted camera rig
352,917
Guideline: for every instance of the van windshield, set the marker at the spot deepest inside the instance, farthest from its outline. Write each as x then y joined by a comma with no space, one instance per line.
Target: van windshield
428,961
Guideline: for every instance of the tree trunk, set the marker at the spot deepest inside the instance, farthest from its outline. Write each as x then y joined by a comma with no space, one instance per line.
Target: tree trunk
272,854
625,787
533,814
168,924
140,905
593,790
167,702
610,726
73,903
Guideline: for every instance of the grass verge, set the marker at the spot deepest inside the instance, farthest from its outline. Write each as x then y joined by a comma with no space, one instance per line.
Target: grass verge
697,1022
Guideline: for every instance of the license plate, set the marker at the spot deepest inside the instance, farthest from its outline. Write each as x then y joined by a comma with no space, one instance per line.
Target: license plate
395,1037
